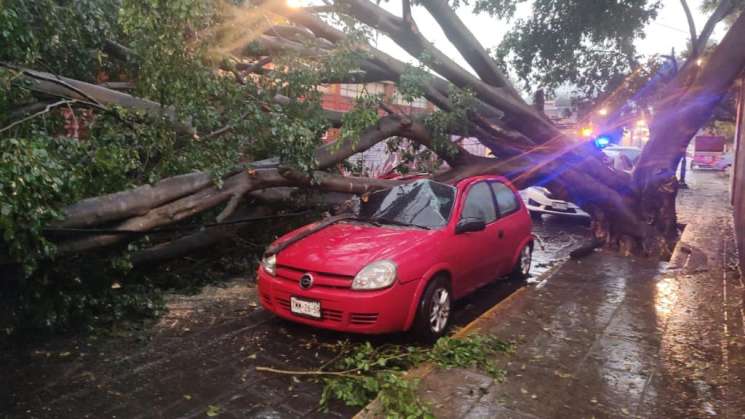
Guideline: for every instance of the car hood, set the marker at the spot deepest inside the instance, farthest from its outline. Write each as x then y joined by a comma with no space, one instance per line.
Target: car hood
345,248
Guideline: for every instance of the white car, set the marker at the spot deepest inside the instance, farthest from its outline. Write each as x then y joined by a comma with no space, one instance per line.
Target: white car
621,157
540,200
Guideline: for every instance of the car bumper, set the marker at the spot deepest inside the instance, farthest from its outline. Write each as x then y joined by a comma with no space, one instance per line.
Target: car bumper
345,310
706,167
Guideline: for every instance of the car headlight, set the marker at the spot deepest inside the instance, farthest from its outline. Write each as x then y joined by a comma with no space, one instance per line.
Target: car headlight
374,276
270,264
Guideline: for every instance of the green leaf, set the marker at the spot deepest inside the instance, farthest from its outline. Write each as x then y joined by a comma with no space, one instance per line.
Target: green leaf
213,410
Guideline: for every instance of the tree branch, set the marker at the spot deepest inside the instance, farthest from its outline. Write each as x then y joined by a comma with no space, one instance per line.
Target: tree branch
118,51
691,25
468,45
46,109
63,87
723,10
195,241
235,185
517,112
406,13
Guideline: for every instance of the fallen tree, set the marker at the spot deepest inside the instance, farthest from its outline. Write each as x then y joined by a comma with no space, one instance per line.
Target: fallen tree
643,209
259,100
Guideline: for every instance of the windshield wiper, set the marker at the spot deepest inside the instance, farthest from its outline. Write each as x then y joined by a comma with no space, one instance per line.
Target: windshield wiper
398,223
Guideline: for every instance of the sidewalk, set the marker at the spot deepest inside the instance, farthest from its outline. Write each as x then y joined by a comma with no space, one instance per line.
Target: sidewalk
610,336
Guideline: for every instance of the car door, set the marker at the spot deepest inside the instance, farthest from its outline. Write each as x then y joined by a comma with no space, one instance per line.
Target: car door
474,251
511,228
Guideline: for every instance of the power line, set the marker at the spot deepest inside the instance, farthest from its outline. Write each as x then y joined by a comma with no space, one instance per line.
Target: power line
671,27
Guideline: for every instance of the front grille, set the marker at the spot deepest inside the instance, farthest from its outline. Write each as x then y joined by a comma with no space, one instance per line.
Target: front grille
321,279
363,318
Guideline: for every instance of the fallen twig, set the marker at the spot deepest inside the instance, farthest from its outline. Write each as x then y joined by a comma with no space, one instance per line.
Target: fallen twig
41,112
315,373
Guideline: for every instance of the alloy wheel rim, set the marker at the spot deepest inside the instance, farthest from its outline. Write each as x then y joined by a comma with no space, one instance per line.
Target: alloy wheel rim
440,311
525,261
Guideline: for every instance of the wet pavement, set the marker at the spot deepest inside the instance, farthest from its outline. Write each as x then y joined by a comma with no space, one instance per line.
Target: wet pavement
610,336
202,356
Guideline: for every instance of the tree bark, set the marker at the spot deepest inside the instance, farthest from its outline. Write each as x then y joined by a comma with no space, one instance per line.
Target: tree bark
196,241
724,9
138,201
691,25
464,40
234,187
681,114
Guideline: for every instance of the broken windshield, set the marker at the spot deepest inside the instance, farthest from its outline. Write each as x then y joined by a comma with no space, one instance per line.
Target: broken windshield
423,203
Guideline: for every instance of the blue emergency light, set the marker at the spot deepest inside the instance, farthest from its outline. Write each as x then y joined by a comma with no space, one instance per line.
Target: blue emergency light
602,141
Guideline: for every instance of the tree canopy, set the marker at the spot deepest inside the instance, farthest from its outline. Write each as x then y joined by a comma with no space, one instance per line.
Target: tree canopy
589,44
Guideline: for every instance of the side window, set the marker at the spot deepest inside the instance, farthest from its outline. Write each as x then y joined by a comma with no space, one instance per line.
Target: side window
479,203
506,200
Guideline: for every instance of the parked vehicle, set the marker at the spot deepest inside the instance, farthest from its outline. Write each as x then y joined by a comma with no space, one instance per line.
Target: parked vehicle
540,200
708,152
622,157
401,262
725,162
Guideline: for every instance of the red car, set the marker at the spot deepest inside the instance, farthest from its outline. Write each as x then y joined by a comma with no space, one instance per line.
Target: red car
400,263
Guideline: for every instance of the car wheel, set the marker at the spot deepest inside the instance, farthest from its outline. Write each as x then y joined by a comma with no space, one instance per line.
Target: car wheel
535,215
521,270
433,312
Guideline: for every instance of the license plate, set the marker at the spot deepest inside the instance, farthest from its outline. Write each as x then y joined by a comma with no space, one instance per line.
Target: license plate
305,307
561,206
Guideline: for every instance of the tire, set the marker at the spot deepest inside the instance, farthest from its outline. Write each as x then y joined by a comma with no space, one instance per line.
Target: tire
434,311
535,216
521,270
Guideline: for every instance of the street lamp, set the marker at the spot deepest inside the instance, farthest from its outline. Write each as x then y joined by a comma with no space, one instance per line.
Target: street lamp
699,62
603,112
586,131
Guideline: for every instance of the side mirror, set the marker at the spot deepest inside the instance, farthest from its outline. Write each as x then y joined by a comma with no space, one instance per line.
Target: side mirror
470,224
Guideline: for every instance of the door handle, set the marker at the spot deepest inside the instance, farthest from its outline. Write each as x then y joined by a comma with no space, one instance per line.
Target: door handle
500,234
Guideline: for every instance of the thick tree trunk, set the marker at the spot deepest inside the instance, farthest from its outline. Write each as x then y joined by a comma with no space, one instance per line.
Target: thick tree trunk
682,113
233,189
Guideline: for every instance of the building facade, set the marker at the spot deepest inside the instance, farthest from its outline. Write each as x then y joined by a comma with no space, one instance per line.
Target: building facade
378,160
